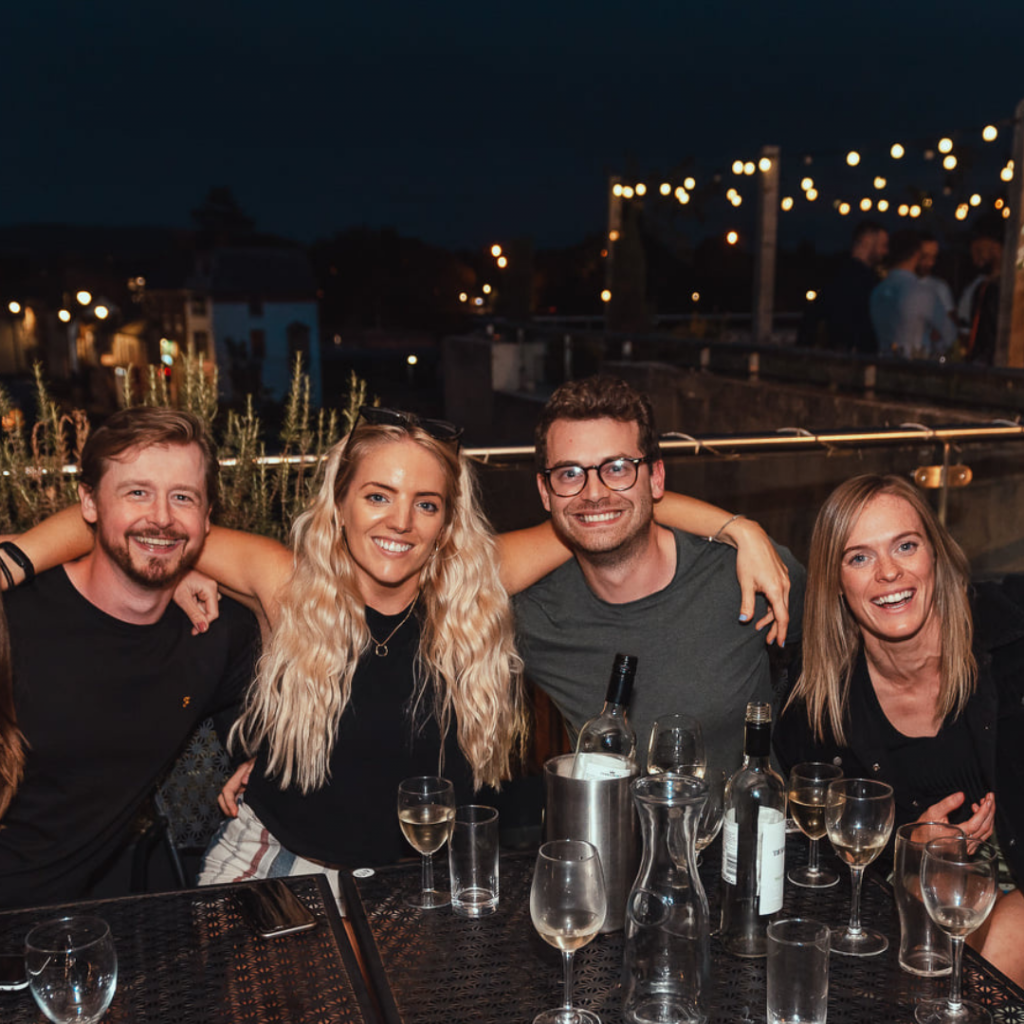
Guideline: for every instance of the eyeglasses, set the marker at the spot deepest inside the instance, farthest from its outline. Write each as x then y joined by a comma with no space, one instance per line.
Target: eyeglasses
440,430
616,474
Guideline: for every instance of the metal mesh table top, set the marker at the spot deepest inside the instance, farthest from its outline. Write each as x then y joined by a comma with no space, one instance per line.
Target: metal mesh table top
436,968
189,957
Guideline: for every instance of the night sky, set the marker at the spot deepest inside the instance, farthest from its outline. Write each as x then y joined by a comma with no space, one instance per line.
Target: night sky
462,123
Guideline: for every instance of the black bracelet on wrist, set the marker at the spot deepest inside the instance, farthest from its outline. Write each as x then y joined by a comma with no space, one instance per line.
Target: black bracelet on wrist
19,558
7,574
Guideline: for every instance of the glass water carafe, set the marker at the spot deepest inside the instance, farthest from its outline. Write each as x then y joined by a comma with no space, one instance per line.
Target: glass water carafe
667,956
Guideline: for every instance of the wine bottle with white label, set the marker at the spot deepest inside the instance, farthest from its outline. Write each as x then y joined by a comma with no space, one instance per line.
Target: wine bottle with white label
754,841
606,747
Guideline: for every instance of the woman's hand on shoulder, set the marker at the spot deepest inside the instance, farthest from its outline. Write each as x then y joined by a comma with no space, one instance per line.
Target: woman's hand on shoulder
233,789
981,823
760,569
198,597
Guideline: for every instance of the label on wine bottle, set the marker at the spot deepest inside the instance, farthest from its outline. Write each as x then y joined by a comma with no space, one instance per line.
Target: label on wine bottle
730,841
771,859
590,766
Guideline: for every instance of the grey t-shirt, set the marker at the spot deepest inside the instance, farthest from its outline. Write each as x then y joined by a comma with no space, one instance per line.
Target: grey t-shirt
695,655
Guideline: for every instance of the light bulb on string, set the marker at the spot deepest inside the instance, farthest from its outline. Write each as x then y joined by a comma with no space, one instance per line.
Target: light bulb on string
975,200
732,237
865,204
689,184
945,145
810,295
737,167
606,295
1006,212
990,133
811,194
665,189
915,210
627,192
764,165
641,189
961,211
903,209
787,203
844,209
749,167
949,162
880,182
883,205
616,189
998,204
1006,173
853,158
897,151
807,183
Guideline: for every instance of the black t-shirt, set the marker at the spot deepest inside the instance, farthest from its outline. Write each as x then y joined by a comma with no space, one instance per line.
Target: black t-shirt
105,707
352,820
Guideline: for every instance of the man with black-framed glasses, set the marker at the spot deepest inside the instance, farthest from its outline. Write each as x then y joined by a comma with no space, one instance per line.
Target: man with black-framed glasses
633,586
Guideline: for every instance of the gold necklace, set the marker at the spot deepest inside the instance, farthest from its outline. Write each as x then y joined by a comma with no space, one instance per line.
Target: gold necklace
380,647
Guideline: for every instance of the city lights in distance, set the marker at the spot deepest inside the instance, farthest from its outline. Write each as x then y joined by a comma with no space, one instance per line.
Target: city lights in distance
880,182
990,133
689,184
411,360
865,204
915,210
853,158
811,194
903,209
844,209
101,312
496,249
502,262
945,145
486,289
64,316
606,295
665,189
749,167
641,188
732,237
764,164
897,151
975,200
463,296
84,298
737,167
787,203
883,205
949,162
14,307
811,295
695,296
807,183
616,189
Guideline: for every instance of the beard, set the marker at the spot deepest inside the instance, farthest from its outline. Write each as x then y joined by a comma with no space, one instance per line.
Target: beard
153,573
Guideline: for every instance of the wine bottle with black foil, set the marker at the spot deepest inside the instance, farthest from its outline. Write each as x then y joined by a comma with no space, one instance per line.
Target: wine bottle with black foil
606,748
754,841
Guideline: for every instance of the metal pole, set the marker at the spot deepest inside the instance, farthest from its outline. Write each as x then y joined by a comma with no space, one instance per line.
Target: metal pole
1010,333
765,246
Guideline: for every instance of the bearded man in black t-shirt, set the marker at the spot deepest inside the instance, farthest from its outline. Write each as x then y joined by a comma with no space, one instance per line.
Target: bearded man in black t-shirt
108,680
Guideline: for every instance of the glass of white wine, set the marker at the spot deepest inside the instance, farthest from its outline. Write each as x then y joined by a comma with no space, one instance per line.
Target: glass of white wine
958,886
808,787
568,906
426,812
859,816
676,745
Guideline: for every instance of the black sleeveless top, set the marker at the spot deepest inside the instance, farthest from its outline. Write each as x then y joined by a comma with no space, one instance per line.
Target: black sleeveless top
352,820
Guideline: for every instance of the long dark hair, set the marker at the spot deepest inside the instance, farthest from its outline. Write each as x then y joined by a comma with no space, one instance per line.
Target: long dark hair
12,743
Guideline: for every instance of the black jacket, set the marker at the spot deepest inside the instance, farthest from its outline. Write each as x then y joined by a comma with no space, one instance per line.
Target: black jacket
994,715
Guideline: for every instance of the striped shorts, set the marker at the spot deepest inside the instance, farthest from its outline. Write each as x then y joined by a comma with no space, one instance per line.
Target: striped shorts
244,848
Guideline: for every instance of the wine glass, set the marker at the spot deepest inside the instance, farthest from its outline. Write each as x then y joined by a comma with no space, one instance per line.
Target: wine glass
72,968
858,818
808,786
676,745
713,811
568,906
426,812
958,885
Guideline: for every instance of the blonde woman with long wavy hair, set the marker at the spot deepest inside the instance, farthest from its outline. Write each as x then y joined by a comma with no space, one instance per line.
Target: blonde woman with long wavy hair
915,677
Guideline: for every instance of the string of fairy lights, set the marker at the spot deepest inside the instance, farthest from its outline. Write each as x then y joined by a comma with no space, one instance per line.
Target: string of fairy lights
872,191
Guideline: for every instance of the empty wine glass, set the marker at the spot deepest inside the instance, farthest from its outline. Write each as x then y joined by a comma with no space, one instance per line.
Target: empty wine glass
72,968
858,818
808,787
426,812
958,885
676,745
568,906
